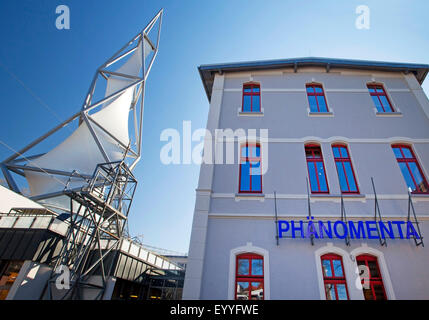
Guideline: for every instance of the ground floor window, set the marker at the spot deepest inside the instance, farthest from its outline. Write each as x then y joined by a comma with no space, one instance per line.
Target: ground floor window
249,277
372,282
334,278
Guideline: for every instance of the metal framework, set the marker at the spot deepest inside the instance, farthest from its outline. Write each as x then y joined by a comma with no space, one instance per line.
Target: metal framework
99,208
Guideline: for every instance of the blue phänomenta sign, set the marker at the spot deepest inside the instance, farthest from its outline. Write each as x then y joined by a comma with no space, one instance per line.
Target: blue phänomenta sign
352,229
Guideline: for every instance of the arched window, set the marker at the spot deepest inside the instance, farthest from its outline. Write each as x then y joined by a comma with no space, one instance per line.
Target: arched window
250,168
346,174
372,282
410,168
316,169
251,97
334,278
249,277
316,98
379,97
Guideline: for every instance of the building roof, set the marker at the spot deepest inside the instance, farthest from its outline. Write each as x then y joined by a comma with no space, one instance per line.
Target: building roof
208,71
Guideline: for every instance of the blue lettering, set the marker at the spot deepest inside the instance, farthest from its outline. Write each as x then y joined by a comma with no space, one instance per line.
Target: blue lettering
411,231
398,225
344,228
357,232
328,231
369,229
301,228
389,231
283,229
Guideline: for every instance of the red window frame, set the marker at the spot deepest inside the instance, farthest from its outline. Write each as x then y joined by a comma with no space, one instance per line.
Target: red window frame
342,160
380,94
249,278
372,280
250,159
334,280
253,95
316,94
413,160
314,160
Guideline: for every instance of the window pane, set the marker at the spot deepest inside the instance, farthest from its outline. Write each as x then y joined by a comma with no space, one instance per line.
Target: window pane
256,104
257,292
330,291
350,176
247,103
342,177
407,153
418,177
342,293
245,176
244,151
242,290
379,292
344,153
371,90
312,174
243,267
336,152
256,176
313,103
377,103
322,104
386,104
380,90
255,151
310,89
255,89
406,173
308,153
257,267
318,90
373,269
398,153
322,177
317,153
326,266
247,89
367,293
338,269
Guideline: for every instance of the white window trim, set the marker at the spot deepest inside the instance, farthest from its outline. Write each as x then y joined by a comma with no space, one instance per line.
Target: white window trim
248,248
364,249
350,271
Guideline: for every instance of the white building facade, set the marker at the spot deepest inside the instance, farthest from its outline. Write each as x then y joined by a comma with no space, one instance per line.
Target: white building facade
341,143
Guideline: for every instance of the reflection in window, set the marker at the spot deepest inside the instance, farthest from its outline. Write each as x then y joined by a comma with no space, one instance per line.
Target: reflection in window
251,98
410,169
249,277
334,278
372,282
346,175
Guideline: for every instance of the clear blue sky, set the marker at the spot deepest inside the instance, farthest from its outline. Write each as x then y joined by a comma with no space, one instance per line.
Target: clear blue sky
58,66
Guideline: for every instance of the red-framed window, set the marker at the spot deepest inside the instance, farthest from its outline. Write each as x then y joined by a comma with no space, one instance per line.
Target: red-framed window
250,168
346,174
380,98
251,97
371,279
316,98
316,169
410,168
249,277
334,278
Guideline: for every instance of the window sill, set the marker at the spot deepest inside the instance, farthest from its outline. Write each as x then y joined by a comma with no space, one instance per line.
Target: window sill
337,197
249,196
321,114
388,114
251,114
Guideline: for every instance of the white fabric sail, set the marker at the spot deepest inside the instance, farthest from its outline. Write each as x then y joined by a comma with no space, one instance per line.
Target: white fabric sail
79,153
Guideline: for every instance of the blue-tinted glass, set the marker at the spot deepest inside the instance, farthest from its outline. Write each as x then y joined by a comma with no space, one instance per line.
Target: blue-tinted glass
350,177
326,266
247,89
243,267
342,293
313,178
342,177
322,104
257,267
245,176
380,90
417,176
330,292
344,153
336,152
398,153
256,104
407,176
322,177
255,89
247,100
318,90
256,176
256,151
313,103
386,104
244,151
377,103
371,89
407,153
310,89
338,269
